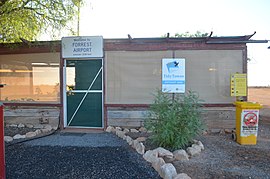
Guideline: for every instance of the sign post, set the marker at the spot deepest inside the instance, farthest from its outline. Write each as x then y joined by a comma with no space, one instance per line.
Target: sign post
2,144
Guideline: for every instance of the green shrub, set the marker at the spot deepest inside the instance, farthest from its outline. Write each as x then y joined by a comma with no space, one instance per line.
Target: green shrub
175,122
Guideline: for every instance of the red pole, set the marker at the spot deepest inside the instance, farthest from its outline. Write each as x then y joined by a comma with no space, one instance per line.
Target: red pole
2,144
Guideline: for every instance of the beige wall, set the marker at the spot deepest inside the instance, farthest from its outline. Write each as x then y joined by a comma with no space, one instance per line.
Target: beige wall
132,76
208,72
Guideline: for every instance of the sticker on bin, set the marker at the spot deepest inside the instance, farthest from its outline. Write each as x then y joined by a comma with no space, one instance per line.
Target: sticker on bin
249,122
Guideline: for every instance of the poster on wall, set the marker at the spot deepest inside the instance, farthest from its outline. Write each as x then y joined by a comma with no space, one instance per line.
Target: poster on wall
249,122
173,75
239,84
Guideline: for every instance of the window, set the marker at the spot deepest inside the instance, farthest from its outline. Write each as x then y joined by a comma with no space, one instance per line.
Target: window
30,77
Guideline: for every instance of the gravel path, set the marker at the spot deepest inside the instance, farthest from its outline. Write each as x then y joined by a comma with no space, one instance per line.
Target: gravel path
73,155
80,140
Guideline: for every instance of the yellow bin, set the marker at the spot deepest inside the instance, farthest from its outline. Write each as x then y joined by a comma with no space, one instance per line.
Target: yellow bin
247,118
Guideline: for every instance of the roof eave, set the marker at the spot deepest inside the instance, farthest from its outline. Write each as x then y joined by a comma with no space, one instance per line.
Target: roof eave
235,41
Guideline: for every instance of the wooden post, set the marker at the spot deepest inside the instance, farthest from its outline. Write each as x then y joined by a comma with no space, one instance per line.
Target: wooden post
173,55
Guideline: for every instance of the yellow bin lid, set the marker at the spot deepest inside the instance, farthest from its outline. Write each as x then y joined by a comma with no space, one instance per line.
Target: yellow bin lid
248,105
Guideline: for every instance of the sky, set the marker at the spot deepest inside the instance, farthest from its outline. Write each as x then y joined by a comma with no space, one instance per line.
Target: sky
154,18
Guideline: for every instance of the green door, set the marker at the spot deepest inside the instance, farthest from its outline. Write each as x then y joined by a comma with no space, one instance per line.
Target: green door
84,93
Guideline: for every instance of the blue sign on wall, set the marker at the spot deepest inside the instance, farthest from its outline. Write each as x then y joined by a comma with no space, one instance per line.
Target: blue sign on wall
173,75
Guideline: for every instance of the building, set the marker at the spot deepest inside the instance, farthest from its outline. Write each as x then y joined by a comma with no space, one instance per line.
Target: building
117,88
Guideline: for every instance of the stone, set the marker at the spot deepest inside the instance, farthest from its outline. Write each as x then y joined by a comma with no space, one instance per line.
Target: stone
129,140
117,132
168,171
8,139
110,129
197,147
126,130
163,152
157,163
55,128
192,151
182,176
215,131
180,155
199,143
49,127
228,131
134,143
140,148
150,155
38,131
134,130
169,160
13,125
30,134
38,126
124,137
120,134
29,125
45,130
18,136
118,129
222,132
143,129
204,132
141,139
21,125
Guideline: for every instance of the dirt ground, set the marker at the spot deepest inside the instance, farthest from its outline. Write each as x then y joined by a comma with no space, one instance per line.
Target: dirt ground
224,158
259,94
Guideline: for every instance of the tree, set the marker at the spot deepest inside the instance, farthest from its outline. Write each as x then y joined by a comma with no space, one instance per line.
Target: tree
26,19
188,34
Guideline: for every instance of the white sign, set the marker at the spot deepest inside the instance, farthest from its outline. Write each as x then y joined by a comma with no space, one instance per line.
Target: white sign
173,75
82,47
249,122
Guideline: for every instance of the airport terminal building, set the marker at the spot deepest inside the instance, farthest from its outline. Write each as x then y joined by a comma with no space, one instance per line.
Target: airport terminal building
91,82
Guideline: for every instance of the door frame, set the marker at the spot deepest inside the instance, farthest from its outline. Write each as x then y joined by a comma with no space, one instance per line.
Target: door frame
65,125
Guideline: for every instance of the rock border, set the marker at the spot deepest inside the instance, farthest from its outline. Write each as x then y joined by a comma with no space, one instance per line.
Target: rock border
161,159
39,129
